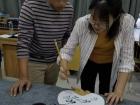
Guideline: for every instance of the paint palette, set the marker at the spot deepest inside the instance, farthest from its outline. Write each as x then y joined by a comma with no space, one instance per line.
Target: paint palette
69,97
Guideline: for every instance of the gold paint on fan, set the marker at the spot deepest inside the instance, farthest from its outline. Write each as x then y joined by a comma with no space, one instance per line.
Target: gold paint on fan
81,91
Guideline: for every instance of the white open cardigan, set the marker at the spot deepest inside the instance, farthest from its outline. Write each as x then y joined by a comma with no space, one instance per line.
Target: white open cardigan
123,59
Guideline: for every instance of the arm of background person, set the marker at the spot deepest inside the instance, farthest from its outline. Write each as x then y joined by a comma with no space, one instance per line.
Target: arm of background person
26,31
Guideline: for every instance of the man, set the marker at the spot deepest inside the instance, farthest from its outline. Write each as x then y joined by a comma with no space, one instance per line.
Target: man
40,23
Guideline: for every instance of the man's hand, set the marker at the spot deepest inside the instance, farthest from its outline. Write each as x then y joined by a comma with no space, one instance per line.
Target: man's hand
19,86
64,71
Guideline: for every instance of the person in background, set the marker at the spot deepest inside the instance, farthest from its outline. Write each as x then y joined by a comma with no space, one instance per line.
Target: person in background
40,23
106,41
0,58
0,65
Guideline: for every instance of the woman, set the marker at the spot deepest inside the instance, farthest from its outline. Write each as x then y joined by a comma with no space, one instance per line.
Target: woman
106,40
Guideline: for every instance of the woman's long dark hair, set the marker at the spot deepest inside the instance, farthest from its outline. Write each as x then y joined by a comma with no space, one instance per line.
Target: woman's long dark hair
104,8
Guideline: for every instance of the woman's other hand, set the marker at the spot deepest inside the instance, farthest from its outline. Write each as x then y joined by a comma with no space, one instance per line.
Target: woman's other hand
114,98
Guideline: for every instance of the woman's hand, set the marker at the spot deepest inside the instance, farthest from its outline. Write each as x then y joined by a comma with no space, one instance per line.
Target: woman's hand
64,70
114,98
19,86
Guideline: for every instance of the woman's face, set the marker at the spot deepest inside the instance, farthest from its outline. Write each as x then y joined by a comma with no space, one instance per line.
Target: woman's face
58,5
98,25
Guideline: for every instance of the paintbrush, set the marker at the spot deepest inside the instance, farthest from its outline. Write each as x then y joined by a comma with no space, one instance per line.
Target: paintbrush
76,90
58,51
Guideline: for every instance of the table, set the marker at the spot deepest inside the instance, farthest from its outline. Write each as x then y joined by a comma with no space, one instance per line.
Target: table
8,46
38,93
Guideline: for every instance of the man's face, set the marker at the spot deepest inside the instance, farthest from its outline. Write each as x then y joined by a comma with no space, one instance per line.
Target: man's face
58,5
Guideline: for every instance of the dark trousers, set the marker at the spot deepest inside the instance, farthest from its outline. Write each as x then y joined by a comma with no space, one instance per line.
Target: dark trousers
89,75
